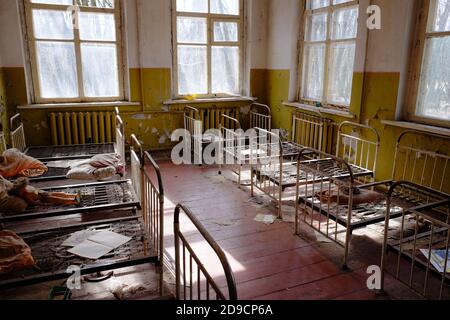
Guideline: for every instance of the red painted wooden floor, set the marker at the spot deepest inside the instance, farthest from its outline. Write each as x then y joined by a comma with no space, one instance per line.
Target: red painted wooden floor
269,261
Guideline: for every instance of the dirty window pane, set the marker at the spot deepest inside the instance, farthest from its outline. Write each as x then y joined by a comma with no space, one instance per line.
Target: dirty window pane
230,7
342,58
60,2
192,70
434,98
225,70
442,18
199,6
97,26
345,23
192,30
316,4
313,71
107,4
52,24
340,1
57,69
100,73
226,31
316,27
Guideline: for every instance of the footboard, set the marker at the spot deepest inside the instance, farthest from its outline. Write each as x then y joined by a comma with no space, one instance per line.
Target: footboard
193,280
422,242
17,133
260,116
120,138
137,159
152,194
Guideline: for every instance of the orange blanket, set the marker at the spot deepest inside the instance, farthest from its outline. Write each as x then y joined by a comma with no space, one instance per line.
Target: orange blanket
13,163
15,254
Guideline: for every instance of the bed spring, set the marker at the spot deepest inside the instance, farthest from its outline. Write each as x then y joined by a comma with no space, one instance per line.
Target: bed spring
53,260
94,197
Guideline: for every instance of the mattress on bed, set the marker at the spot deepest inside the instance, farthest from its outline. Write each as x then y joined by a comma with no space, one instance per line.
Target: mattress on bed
49,153
51,257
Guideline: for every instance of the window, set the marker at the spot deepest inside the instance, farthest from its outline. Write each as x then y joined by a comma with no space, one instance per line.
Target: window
75,50
430,91
208,47
328,52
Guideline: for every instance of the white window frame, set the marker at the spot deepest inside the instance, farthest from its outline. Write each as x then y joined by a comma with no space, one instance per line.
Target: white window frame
425,17
30,42
211,17
328,43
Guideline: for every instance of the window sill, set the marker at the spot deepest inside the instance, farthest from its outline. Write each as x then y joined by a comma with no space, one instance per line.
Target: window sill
209,100
418,127
334,112
79,105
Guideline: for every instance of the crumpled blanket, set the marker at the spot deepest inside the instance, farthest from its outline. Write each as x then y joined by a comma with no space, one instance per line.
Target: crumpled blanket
15,254
10,204
14,163
100,167
360,197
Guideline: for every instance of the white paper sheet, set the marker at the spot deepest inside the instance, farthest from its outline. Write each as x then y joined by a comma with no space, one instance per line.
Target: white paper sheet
110,239
90,250
78,238
97,244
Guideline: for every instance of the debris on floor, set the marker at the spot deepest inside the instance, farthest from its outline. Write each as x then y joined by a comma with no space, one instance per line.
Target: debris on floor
265,218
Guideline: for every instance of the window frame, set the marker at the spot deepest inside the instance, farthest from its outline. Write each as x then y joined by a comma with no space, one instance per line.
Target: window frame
211,18
328,44
423,19
31,46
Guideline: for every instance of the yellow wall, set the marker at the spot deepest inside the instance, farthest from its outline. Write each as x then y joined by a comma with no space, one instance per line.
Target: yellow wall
152,121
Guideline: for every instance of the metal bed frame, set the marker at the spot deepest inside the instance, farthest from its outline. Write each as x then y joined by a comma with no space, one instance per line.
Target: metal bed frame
361,154
273,161
193,281
78,152
429,212
146,231
72,152
3,146
260,119
98,196
236,144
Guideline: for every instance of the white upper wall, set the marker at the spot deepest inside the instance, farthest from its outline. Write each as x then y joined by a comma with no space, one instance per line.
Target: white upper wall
257,33
284,28
10,38
388,48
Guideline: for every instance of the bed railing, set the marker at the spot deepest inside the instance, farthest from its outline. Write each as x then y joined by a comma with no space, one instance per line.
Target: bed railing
17,133
194,126
120,138
359,147
137,160
422,244
422,165
152,193
3,146
188,282
260,116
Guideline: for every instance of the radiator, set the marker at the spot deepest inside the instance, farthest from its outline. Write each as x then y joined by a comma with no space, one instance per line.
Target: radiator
212,117
82,127
314,132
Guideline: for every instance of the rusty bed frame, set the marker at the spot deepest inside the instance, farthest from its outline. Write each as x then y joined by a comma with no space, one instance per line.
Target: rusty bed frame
72,152
236,143
193,280
338,221
146,231
273,161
